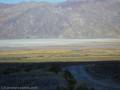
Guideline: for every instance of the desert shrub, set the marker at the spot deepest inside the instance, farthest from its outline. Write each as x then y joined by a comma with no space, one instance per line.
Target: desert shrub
10,71
27,69
55,68
70,80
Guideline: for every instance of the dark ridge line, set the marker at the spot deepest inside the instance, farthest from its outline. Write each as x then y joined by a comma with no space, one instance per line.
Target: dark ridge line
66,63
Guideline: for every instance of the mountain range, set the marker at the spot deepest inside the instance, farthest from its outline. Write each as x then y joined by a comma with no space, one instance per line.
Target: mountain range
72,19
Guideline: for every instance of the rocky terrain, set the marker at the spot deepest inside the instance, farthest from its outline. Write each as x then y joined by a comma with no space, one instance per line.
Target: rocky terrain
70,19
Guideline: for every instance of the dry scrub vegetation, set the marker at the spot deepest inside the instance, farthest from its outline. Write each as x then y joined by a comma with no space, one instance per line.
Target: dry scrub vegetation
92,54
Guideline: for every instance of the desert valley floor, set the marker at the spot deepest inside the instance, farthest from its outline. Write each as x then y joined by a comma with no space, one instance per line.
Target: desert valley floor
90,64
58,50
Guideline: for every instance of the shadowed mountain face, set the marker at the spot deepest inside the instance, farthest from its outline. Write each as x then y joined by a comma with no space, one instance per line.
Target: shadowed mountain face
71,19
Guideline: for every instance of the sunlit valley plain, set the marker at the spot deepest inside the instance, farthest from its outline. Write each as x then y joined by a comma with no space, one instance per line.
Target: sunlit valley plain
59,50
67,45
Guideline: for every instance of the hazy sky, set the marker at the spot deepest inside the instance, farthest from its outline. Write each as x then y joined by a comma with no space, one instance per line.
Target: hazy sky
17,1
